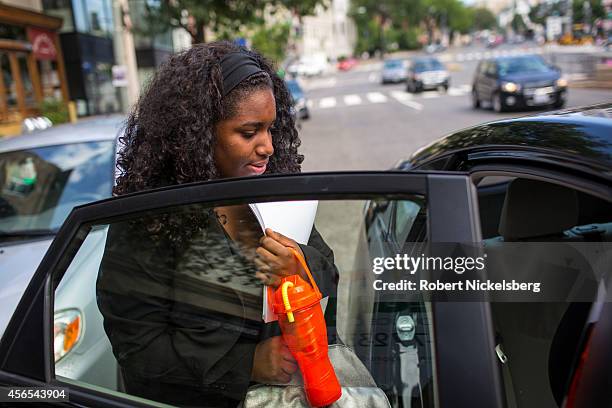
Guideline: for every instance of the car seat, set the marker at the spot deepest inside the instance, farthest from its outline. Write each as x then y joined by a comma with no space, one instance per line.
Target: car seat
536,212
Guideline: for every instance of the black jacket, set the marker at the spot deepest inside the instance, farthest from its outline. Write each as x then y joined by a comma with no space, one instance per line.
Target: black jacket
184,324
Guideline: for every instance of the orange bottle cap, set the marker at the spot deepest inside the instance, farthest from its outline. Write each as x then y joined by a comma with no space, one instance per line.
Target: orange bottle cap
301,295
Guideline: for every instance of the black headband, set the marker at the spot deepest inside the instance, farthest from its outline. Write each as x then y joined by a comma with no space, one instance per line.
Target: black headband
235,68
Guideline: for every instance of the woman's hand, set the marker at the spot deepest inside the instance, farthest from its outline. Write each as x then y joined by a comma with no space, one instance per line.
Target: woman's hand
273,362
275,260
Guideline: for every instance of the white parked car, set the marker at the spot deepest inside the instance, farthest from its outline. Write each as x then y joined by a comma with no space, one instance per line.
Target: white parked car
43,176
310,66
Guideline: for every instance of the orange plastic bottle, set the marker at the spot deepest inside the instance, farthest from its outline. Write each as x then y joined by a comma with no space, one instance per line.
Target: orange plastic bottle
296,303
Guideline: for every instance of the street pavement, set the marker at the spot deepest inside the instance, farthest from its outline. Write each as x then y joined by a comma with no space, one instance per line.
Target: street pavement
358,123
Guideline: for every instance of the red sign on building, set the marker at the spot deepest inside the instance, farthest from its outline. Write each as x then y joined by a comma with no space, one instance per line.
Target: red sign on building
42,43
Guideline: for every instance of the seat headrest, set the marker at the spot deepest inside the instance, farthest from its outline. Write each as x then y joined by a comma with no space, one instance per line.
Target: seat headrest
535,208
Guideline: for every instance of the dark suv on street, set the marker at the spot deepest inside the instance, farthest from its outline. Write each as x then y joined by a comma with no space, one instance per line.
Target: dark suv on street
518,82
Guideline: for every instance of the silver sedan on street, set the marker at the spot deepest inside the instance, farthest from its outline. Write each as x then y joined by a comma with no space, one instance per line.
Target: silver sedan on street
43,176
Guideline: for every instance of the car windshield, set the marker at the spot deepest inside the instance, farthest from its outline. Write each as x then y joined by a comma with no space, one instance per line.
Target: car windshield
393,64
39,186
522,65
428,65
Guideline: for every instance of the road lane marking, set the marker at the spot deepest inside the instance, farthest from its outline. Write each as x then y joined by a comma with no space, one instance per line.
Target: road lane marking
456,92
430,94
376,97
352,99
373,77
406,99
328,102
319,83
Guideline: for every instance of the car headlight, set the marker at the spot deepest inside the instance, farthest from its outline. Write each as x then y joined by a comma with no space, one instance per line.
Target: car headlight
510,87
67,329
561,82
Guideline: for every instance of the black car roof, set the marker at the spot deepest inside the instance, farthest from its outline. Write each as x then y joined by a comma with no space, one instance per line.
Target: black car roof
580,135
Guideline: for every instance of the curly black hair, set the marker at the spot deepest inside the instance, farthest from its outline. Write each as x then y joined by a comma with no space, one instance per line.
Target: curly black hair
169,136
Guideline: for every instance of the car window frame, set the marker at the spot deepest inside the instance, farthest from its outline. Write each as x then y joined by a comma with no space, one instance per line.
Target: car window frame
26,349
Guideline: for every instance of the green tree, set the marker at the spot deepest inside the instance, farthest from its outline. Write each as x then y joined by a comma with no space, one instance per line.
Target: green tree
518,25
272,41
579,9
381,23
221,16
483,19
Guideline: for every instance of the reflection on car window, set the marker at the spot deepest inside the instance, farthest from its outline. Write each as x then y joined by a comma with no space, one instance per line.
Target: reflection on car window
173,308
39,187
522,64
428,65
393,64
405,215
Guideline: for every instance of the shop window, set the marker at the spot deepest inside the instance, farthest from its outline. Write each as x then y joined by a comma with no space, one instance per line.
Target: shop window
26,78
61,9
49,78
10,89
12,32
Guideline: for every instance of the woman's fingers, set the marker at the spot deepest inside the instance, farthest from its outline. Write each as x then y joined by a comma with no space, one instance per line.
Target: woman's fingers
288,368
283,240
274,246
269,279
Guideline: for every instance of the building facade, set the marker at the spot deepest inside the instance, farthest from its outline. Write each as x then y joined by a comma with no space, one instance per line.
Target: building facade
32,64
87,40
329,32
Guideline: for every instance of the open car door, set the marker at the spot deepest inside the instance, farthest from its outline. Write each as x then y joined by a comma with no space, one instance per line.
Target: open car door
152,288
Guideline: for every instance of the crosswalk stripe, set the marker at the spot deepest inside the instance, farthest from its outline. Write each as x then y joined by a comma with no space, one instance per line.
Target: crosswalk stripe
430,94
455,92
352,99
376,97
406,99
328,102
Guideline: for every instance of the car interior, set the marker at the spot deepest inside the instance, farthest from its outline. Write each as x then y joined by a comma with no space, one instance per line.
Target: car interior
539,342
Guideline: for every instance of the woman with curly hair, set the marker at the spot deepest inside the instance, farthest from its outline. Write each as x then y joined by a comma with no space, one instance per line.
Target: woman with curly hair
214,111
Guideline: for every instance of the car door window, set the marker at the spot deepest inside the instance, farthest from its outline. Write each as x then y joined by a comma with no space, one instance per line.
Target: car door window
157,295
481,68
406,212
154,300
558,236
491,69
39,187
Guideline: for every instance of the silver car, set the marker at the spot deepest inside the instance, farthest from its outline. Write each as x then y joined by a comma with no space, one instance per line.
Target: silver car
43,176
394,70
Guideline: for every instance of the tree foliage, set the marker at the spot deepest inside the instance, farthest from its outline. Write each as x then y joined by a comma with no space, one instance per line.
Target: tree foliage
378,21
581,11
483,19
220,16
271,41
